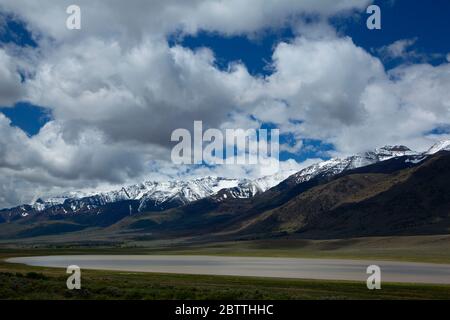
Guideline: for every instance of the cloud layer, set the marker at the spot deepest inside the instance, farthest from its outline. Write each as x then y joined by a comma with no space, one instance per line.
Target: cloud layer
116,90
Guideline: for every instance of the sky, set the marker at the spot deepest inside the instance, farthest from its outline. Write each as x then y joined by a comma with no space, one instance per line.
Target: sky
94,108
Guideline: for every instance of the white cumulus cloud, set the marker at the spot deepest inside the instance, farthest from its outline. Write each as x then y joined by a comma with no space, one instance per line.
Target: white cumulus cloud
116,90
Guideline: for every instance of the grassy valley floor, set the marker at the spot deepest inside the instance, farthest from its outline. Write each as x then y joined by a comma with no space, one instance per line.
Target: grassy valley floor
23,282
19,281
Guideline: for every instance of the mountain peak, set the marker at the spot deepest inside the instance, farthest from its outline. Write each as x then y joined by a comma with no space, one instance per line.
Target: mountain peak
338,165
439,146
396,148
159,194
390,151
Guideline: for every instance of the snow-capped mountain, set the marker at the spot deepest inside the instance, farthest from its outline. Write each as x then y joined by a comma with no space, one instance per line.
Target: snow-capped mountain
440,146
182,192
337,165
249,188
152,195
156,196
148,193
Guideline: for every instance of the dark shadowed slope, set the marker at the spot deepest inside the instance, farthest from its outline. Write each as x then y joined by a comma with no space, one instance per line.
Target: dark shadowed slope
286,208
375,200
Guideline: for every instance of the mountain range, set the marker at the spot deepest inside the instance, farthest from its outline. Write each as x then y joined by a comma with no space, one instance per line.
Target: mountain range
148,196
366,194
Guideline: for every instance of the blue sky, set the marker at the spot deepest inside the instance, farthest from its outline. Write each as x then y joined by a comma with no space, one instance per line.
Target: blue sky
401,19
111,94
429,25
14,31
